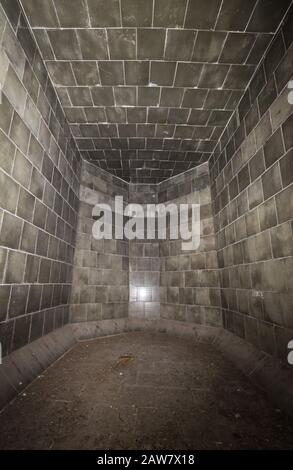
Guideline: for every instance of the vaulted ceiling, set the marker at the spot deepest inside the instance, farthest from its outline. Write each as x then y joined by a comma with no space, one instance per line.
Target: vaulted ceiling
148,86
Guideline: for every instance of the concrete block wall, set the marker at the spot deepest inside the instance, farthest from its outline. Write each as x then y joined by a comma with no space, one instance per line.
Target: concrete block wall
190,283
101,275
252,186
241,274
145,279
39,184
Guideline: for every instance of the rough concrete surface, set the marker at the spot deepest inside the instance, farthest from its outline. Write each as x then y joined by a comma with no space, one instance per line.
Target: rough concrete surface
143,391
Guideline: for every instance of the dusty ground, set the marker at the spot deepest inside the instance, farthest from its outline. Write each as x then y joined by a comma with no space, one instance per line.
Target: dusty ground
143,391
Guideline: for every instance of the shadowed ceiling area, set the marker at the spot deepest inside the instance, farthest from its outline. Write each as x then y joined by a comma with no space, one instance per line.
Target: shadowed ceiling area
148,86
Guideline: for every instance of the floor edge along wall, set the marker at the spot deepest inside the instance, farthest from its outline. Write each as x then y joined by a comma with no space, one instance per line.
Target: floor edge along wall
26,364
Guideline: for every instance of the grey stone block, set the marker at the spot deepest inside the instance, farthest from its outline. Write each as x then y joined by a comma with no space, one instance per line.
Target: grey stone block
26,205
280,110
282,241
138,13
8,192
22,169
17,307
271,181
286,167
15,267
179,45
267,214
287,133
252,222
10,231
284,203
15,91
274,276
263,130
150,45
255,194
273,148
7,151
122,44
32,269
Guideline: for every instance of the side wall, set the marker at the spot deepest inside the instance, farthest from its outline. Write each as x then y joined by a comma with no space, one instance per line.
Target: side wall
145,279
252,176
101,274
39,182
190,289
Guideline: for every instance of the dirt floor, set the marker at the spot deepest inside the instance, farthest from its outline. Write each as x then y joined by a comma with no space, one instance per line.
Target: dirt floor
143,391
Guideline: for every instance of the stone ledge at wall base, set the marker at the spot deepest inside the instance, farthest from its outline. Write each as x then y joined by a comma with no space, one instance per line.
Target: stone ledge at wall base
267,373
199,333
96,329
24,365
